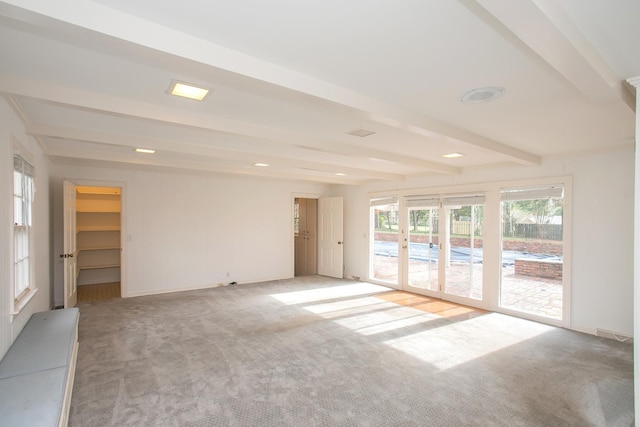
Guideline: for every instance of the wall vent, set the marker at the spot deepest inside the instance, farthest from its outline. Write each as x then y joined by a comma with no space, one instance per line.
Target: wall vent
361,132
613,335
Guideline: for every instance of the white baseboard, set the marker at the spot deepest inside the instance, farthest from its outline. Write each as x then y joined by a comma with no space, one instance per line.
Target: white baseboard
194,288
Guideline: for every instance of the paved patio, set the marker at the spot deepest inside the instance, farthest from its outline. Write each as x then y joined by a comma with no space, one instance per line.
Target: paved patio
532,295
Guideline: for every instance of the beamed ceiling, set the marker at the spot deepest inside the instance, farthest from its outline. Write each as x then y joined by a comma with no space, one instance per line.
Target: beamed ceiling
290,79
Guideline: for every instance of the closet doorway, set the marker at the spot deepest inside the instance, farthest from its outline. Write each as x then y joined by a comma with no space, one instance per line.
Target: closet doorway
305,237
98,225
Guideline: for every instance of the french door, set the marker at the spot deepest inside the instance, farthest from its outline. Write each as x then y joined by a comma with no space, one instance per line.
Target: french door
433,247
422,244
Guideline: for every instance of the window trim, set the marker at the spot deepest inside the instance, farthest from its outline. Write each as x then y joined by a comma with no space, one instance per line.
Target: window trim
491,190
20,300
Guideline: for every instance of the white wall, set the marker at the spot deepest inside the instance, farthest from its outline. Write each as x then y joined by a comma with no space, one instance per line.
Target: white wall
184,231
602,240
11,127
188,231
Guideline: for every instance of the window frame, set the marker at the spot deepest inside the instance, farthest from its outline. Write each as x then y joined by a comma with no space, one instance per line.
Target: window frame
22,222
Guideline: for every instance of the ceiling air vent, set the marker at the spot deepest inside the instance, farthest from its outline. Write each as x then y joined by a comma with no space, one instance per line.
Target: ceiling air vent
482,94
361,132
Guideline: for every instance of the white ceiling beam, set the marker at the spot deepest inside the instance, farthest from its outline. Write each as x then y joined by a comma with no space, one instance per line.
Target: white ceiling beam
97,18
543,30
246,156
133,161
92,101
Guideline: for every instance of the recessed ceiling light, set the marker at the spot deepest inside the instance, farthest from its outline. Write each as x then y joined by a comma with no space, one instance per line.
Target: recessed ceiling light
340,174
261,165
361,132
452,155
482,94
145,150
187,90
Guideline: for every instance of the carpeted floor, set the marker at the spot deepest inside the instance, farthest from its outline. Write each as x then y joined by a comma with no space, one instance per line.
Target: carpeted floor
323,352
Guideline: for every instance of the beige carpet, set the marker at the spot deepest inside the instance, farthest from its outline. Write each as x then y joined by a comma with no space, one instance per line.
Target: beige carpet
323,352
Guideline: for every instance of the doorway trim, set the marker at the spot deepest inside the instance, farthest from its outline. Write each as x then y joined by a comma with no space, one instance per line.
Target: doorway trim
124,290
294,196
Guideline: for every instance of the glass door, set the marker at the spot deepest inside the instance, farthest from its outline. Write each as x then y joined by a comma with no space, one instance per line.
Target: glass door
384,263
463,247
422,243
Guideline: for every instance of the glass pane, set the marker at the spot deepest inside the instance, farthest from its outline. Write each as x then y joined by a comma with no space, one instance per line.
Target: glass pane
384,253
464,263
532,250
296,216
17,183
423,248
21,243
21,276
18,215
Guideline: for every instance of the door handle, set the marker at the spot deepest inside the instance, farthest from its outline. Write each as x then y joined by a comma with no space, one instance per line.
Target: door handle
339,243
70,255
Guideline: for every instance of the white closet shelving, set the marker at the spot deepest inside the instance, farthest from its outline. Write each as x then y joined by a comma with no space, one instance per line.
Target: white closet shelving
98,235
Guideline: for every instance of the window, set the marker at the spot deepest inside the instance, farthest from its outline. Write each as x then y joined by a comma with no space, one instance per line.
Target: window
23,191
533,250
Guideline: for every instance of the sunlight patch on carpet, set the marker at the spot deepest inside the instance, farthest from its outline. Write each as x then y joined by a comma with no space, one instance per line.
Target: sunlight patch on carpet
328,293
451,345
349,307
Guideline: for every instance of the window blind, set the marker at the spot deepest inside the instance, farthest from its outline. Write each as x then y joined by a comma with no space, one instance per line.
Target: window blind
553,192
422,201
476,199
383,201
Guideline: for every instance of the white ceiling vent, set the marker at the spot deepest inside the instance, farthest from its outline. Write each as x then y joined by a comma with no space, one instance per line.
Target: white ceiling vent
482,94
361,132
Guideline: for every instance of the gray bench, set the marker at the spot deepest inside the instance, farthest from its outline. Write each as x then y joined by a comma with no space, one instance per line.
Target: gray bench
36,374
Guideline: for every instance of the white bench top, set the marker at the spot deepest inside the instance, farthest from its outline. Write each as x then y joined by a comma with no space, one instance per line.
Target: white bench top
46,342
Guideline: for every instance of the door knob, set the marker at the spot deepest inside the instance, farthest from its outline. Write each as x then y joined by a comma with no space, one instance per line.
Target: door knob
339,243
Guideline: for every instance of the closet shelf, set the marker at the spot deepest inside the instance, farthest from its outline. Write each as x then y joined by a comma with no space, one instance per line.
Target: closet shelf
98,266
81,228
99,248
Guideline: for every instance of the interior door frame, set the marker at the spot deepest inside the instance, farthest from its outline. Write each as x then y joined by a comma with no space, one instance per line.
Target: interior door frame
333,241
292,231
69,252
124,237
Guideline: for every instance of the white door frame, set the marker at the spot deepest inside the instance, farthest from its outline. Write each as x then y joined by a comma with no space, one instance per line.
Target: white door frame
294,196
69,253
123,223
330,237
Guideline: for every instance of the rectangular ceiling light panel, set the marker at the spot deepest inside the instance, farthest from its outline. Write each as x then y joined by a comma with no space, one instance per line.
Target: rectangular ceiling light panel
188,90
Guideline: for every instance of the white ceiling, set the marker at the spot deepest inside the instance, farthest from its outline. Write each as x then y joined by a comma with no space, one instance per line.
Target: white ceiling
290,78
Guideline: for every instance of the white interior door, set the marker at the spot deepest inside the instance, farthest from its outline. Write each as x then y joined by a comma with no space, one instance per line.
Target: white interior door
70,252
330,243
